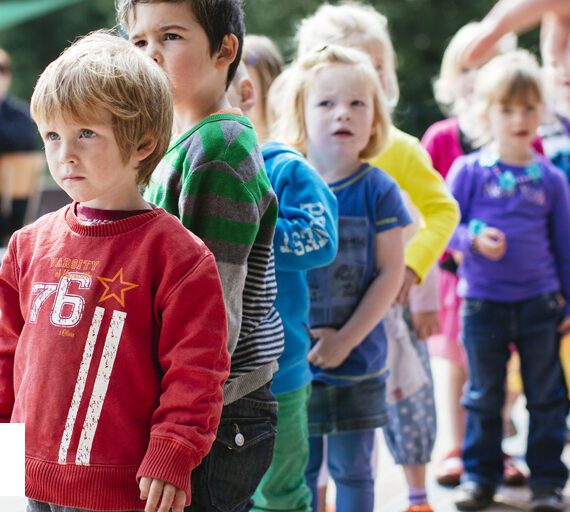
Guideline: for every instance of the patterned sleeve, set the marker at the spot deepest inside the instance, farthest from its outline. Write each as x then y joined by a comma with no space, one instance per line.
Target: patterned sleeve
214,181
306,231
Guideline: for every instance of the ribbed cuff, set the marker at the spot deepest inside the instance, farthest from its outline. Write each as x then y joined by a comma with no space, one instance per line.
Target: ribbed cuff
170,461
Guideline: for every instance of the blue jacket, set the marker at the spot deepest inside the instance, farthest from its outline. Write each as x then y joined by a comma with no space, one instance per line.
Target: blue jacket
305,238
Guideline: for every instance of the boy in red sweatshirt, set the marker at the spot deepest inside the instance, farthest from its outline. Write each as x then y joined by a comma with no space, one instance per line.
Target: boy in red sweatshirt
112,322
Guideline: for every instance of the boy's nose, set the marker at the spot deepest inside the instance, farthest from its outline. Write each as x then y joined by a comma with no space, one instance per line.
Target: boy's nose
67,154
153,52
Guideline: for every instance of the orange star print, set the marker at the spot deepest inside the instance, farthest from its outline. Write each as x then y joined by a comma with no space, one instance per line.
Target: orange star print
115,289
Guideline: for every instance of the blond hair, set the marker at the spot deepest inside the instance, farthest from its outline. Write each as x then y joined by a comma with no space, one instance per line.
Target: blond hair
290,126
513,77
102,73
452,65
355,25
260,53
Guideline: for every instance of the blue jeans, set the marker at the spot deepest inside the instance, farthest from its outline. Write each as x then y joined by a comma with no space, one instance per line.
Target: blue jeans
359,407
228,476
349,459
488,330
39,506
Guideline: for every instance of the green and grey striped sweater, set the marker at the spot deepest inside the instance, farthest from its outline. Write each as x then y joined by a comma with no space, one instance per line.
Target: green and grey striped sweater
214,180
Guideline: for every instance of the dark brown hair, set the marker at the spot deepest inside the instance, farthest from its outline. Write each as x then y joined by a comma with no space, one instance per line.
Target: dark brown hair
218,18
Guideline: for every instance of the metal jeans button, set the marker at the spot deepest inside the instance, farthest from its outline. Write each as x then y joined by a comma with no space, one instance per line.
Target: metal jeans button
239,439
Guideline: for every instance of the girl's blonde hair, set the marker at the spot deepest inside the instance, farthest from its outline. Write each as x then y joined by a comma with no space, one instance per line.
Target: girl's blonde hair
260,53
356,25
102,73
513,77
290,126
452,65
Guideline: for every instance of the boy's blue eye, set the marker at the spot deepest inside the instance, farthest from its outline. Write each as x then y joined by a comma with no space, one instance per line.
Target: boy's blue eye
52,136
87,134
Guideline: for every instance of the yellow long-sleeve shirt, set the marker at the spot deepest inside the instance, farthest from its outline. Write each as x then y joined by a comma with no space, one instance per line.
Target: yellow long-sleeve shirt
410,165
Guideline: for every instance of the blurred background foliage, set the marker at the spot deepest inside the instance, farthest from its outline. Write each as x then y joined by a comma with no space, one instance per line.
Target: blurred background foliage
420,30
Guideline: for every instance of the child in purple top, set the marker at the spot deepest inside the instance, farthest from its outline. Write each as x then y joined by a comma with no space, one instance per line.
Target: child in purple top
515,220
444,141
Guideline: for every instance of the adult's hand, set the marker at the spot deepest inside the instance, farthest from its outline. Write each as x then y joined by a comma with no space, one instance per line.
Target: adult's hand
518,16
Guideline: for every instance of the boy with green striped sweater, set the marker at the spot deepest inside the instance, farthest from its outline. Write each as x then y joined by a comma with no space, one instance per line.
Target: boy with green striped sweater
213,179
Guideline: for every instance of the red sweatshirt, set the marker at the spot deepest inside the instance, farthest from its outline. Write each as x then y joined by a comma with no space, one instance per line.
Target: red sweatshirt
113,352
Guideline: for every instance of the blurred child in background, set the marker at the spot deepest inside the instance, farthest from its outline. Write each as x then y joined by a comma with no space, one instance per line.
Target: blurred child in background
404,159
513,235
445,141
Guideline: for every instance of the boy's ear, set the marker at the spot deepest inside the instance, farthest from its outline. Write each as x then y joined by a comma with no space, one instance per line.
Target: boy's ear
228,51
247,93
145,148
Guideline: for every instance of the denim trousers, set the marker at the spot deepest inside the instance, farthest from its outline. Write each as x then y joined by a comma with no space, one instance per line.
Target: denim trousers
39,506
354,408
349,459
228,476
488,329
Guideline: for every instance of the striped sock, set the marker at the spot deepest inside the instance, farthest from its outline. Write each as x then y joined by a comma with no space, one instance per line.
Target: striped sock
417,496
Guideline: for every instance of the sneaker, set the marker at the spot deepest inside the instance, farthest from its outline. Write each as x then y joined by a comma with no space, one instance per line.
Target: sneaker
547,499
423,507
473,496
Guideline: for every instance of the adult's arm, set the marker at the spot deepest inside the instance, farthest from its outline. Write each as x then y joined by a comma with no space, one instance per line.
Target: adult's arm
518,16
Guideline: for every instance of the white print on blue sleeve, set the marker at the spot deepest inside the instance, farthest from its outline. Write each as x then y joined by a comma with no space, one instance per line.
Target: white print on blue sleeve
309,239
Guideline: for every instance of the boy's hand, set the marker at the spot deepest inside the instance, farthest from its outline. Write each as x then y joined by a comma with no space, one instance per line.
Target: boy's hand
153,489
491,243
410,278
330,350
425,324
564,326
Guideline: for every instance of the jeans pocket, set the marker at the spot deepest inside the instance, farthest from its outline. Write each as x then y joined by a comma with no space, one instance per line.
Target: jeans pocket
544,308
240,456
471,307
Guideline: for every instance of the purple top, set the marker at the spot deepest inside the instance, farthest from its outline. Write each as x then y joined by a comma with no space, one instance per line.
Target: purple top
534,215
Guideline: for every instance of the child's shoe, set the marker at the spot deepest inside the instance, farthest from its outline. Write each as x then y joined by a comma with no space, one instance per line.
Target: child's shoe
513,475
423,507
547,499
450,469
473,496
